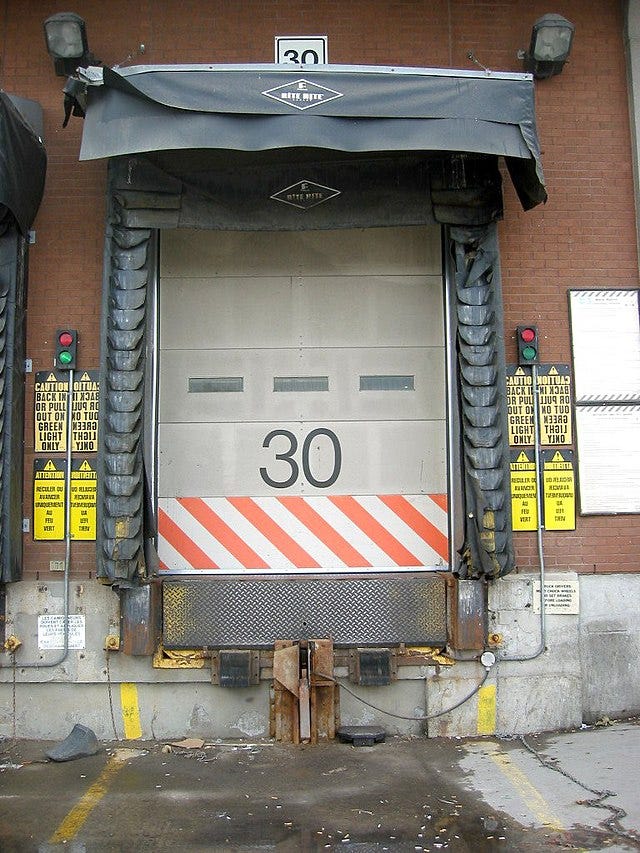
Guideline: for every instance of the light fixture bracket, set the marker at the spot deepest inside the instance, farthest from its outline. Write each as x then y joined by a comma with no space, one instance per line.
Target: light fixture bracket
66,39
551,40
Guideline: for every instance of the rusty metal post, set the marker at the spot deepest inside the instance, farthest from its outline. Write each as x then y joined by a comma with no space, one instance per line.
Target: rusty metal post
140,619
305,694
467,613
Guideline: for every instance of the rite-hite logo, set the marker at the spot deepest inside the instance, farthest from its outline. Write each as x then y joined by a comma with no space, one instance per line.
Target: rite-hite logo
305,194
302,94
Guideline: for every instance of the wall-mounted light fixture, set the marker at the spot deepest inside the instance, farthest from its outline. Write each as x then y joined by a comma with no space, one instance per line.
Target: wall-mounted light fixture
66,37
551,39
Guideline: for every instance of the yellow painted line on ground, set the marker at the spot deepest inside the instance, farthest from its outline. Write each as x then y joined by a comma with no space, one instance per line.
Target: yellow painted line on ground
532,798
487,710
74,820
130,711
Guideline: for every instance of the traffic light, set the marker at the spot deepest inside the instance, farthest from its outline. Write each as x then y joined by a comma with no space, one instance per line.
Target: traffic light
66,346
527,345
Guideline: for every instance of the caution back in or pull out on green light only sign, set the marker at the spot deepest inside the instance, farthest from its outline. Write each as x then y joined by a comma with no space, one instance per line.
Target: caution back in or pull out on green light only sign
554,405
50,415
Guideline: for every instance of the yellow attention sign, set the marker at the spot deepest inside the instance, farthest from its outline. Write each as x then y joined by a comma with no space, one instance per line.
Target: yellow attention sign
554,405
48,499
50,403
82,511
520,407
559,490
524,510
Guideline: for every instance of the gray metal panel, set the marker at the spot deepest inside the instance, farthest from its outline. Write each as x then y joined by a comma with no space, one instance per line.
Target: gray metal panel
250,311
382,457
360,305
343,401
363,251
384,610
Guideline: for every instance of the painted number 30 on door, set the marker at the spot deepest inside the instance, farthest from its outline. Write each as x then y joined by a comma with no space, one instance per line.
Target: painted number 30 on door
290,457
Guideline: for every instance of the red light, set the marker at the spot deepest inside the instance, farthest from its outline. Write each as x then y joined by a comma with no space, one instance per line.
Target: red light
65,339
527,335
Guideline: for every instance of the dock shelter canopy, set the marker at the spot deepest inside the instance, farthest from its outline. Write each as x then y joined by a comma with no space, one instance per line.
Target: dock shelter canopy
23,161
356,110
221,147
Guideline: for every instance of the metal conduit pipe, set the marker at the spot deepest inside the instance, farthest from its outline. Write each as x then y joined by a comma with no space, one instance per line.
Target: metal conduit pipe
536,440
67,556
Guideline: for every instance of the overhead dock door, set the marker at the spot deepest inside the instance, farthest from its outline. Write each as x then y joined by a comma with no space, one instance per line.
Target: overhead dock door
302,402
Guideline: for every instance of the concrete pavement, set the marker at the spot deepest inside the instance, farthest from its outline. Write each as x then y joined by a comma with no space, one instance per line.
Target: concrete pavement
570,790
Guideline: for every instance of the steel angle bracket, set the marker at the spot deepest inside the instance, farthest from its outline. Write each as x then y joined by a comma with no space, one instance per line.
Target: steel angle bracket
181,659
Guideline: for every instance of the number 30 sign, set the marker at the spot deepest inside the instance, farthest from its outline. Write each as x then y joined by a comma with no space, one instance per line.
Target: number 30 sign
301,50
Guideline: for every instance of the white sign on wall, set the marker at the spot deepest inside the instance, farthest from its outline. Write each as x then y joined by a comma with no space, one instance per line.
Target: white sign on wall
51,631
561,597
605,337
301,50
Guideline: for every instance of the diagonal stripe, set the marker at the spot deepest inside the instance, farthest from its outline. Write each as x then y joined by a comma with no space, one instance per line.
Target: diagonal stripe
182,544
170,559
324,532
400,529
298,531
228,538
400,555
199,534
441,501
356,537
274,533
418,523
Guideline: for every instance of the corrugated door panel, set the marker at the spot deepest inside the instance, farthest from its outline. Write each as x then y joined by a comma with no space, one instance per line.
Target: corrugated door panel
302,402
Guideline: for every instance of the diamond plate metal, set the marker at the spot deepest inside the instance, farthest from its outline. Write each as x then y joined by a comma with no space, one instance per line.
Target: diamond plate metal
251,612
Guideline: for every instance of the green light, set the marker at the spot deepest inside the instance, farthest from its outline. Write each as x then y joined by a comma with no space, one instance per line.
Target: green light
65,357
529,353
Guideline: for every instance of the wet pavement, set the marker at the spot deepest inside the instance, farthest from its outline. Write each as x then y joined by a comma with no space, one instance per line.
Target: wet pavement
567,791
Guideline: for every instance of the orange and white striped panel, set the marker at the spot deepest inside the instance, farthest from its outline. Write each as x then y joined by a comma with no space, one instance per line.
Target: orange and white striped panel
292,533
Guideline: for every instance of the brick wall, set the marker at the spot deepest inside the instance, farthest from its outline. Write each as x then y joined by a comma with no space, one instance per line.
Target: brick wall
583,237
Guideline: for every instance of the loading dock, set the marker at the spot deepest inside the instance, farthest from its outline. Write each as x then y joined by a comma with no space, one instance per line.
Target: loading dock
375,287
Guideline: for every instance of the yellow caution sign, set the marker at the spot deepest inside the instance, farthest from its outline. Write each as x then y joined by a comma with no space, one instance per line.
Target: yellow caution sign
524,510
559,490
85,412
50,417
48,498
519,406
82,510
554,404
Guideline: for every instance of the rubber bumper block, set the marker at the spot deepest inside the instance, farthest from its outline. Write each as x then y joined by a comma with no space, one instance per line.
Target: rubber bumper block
80,742
361,735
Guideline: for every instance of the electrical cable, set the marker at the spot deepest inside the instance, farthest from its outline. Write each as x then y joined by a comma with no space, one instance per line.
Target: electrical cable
402,716
613,823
